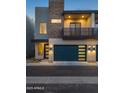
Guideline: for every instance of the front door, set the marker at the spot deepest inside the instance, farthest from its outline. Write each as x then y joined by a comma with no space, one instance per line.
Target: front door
75,28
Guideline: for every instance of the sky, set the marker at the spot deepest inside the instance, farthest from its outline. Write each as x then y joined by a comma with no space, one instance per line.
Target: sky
69,5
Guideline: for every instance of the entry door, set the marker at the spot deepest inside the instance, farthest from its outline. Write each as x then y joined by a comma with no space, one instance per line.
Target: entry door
75,28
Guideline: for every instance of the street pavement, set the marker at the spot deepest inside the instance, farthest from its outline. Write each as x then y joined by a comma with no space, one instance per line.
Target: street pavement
62,79
62,88
61,71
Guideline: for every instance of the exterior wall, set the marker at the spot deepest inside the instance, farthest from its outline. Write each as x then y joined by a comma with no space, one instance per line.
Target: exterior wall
93,20
96,19
56,8
41,16
29,36
90,57
55,11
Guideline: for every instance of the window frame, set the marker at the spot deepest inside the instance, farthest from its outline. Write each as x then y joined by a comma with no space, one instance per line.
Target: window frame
45,28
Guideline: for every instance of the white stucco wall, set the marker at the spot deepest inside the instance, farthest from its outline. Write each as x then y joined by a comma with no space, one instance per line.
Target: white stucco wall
93,20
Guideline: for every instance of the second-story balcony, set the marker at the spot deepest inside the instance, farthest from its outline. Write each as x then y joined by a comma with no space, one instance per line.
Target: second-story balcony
80,33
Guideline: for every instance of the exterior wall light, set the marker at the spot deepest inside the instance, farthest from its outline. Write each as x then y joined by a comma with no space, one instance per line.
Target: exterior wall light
50,47
82,16
94,46
89,46
91,49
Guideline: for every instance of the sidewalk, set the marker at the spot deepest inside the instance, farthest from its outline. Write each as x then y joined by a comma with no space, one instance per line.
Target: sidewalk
63,64
62,80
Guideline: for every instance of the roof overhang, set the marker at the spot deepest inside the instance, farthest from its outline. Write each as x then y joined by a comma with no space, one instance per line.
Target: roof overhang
39,40
80,11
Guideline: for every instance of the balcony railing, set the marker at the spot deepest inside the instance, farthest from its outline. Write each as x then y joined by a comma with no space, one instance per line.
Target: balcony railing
80,33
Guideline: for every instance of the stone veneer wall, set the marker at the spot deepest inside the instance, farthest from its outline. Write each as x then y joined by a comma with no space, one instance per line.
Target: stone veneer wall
56,8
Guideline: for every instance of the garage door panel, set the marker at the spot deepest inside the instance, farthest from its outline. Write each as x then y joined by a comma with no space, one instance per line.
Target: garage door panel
69,53
65,53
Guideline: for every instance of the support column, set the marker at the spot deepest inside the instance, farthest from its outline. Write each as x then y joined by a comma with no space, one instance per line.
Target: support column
36,51
91,54
51,52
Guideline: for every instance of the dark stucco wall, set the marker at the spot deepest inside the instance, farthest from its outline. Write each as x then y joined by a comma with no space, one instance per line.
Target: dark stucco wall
41,16
29,36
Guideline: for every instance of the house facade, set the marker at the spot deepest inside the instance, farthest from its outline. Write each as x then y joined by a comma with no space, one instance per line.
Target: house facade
65,35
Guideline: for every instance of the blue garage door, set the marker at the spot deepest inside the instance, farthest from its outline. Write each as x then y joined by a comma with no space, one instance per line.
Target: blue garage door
67,53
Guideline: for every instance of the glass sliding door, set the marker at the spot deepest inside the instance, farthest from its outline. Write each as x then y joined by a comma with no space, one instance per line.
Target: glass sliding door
75,28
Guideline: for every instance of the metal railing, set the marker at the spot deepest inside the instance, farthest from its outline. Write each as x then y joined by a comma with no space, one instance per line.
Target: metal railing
80,33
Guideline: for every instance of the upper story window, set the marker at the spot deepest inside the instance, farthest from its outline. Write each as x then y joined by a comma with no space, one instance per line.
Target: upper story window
43,28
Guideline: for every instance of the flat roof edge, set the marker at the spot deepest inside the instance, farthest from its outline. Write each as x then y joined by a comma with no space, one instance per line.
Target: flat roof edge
41,7
80,11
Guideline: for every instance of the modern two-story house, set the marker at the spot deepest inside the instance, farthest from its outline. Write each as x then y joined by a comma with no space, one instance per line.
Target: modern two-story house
70,36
